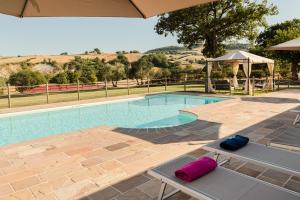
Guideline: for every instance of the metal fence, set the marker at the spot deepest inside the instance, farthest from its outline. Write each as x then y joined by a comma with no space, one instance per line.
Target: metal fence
16,96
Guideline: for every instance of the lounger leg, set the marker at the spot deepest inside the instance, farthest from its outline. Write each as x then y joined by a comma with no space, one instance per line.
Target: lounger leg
162,191
297,119
216,156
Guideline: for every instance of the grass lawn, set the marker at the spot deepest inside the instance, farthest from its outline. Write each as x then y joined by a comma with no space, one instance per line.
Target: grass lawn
36,99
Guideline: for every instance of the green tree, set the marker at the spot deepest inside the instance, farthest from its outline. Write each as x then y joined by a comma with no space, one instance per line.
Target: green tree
215,23
276,34
60,78
88,75
97,51
117,73
26,77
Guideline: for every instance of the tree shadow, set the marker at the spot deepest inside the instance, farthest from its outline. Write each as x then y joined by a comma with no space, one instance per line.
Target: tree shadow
195,131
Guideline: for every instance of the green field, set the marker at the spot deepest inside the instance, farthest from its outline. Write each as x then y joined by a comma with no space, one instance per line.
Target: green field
37,99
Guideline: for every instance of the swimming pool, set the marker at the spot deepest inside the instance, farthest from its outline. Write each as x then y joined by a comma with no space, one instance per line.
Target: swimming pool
153,111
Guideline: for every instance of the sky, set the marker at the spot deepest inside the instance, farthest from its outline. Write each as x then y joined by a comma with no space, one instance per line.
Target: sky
32,36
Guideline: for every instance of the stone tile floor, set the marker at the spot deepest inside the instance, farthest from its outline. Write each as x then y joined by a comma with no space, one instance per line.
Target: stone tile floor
110,164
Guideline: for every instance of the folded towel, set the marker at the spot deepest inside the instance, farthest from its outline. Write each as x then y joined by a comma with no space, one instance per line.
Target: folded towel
234,143
196,169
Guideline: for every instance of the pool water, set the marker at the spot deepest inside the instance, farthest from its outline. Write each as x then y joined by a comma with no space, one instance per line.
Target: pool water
153,111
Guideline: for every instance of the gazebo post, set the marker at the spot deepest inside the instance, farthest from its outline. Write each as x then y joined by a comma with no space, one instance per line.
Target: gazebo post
248,79
206,81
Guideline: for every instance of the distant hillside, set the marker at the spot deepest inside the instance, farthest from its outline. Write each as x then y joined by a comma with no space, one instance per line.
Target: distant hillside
168,49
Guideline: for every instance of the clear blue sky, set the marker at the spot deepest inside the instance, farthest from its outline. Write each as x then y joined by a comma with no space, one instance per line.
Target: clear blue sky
75,35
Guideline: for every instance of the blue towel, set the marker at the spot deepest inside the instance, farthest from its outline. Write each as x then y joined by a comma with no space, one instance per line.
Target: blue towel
234,143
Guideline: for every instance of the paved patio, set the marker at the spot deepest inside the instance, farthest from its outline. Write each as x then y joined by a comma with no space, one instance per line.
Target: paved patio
106,163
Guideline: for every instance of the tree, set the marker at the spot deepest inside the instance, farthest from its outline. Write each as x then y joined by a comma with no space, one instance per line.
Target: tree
117,73
97,51
26,77
276,34
60,78
215,23
87,75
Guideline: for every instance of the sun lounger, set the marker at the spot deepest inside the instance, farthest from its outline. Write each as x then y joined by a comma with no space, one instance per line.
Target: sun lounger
276,158
297,119
288,140
221,184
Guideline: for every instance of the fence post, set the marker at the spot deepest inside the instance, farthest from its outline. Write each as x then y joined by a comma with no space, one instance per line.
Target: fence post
78,91
166,80
253,85
128,86
278,82
106,94
148,84
8,95
47,92
289,82
230,92
184,84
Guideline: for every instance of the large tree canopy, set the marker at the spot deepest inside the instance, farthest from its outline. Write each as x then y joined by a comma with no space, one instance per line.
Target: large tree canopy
214,23
276,34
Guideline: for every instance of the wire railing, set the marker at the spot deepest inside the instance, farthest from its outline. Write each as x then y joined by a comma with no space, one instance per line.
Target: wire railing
17,96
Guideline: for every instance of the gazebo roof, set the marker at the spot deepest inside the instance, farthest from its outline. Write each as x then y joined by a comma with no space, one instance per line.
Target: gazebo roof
292,45
242,56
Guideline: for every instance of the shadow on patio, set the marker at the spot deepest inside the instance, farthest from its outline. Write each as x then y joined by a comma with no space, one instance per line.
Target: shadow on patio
144,187
194,131
274,100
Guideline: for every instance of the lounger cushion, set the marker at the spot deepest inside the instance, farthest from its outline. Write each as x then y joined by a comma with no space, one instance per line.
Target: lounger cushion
234,143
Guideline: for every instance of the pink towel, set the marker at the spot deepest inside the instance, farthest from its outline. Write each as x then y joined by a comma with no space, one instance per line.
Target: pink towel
196,169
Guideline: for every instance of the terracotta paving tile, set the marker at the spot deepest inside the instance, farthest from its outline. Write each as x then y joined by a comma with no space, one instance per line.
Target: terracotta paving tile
233,164
75,151
42,190
278,176
135,156
131,183
116,147
4,163
104,194
20,195
92,161
296,178
110,165
134,194
270,180
25,183
17,176
248,171
180,196
5,190
76,190
152,187
293,185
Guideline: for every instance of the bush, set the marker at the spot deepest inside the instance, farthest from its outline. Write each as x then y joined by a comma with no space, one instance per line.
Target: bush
3,82
258,73
216,75
87,75
26,77
61,78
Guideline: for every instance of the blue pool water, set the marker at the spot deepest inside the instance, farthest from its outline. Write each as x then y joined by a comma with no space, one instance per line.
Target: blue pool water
152,111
